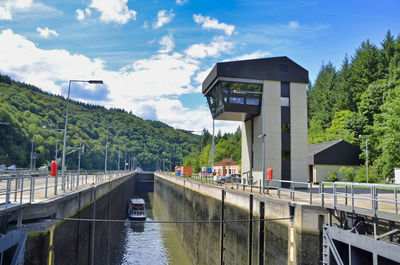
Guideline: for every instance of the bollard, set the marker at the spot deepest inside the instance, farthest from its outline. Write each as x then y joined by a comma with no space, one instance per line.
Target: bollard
310,192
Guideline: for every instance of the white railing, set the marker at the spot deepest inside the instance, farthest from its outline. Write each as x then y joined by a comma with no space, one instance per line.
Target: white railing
348,195
28,186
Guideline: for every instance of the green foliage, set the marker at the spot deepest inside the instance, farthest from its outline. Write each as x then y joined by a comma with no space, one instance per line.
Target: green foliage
363,97
349,173
27,109
333,176
226,146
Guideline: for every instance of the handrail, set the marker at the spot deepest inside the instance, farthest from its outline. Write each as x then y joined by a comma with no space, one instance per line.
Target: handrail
21,187
329,194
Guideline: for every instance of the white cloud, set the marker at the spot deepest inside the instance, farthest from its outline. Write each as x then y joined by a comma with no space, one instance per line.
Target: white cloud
253,55
148,87
212,23
214,49
114,11
180,2
7,7
167,44
145,25
294,24
163,17
46,32
81,15
293,28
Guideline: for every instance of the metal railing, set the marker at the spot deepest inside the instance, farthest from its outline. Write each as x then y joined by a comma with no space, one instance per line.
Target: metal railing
21,187
347,195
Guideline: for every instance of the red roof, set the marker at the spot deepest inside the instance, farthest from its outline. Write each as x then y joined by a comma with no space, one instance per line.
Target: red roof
226,162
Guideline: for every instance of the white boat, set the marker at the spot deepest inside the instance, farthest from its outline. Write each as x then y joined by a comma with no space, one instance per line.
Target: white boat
136,209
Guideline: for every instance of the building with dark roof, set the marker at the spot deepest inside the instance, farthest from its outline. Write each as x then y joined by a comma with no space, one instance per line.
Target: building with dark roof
269,96
331,156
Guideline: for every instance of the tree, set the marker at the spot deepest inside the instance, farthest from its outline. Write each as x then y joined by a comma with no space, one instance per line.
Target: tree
363,69
321,96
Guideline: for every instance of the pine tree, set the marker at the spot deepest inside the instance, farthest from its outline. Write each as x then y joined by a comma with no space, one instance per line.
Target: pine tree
363,69
321,96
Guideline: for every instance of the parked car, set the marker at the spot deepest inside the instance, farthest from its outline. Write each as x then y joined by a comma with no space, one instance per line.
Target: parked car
231,178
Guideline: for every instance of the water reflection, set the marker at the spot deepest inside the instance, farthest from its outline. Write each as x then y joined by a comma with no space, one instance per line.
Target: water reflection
151,243
143,245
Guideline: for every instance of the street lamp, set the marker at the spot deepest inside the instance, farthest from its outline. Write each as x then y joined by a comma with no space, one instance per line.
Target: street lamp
201,152
366,148
105,158
45,126
33,156
66,124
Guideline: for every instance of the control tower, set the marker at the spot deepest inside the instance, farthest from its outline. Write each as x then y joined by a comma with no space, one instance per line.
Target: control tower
269,97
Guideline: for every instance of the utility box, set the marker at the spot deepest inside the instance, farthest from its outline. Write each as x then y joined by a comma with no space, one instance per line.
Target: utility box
269,173
54,168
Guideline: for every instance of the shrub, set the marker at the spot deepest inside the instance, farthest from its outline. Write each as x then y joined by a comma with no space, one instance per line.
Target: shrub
348,173
333,176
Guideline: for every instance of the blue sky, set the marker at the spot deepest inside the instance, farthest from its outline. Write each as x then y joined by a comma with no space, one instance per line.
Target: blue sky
153,55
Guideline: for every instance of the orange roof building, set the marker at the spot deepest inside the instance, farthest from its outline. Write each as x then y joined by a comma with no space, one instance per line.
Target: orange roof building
225,167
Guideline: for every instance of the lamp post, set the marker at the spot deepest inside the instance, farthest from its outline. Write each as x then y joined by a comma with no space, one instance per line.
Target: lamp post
54,129
66,124
33,143
106,155
105,158
366,148
201,153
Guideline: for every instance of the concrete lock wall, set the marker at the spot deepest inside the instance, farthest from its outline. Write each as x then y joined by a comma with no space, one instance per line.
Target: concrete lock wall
296,241
71,241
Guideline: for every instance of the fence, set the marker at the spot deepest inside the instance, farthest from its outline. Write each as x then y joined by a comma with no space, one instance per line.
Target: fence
375,198
28,186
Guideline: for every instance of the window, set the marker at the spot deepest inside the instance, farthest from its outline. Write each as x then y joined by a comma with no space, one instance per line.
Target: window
285,91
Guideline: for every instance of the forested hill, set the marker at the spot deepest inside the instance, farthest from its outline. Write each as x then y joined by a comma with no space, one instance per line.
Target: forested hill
362,97
27,109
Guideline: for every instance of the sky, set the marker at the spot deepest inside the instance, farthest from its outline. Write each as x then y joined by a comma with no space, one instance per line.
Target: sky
153,55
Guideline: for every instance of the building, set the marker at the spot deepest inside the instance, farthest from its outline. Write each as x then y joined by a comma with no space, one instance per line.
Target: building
269,97
225,167
331,156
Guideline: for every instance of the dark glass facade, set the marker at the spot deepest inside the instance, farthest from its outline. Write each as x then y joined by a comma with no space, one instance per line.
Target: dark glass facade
235,97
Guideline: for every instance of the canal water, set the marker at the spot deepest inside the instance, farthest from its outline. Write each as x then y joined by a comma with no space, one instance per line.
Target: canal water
152,243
